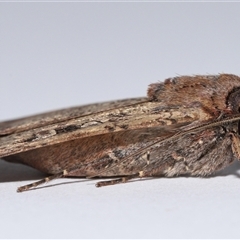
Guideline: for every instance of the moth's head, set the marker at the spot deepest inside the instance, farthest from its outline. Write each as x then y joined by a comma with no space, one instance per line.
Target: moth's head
233,100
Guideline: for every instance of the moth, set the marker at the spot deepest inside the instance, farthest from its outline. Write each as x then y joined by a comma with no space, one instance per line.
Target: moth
187,125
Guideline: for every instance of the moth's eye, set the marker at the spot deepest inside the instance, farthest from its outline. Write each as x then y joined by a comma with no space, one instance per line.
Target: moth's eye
234,100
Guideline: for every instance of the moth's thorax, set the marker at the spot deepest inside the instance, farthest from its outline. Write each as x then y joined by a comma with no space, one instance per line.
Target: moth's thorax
211,91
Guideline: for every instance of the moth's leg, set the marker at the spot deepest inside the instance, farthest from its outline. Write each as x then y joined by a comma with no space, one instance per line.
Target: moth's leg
44,180
236,145
119,180
220,115
64,173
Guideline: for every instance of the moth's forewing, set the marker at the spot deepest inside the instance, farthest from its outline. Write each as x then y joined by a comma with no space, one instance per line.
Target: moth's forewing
63,115
27,133
136,116
65,144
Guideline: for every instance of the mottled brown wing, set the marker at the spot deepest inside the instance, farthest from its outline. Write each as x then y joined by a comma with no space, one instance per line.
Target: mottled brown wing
44,119
47,129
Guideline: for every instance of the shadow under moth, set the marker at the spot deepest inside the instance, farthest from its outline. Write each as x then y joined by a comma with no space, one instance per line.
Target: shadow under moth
187,125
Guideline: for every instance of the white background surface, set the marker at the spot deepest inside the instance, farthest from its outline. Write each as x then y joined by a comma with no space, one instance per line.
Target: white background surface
55,55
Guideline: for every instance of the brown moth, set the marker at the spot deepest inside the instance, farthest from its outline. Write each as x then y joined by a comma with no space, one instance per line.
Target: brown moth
187,125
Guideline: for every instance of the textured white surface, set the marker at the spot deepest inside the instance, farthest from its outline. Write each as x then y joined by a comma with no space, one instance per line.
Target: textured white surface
55,55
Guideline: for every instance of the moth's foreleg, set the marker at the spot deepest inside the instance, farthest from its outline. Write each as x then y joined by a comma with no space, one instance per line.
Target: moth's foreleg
44,180
235,145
